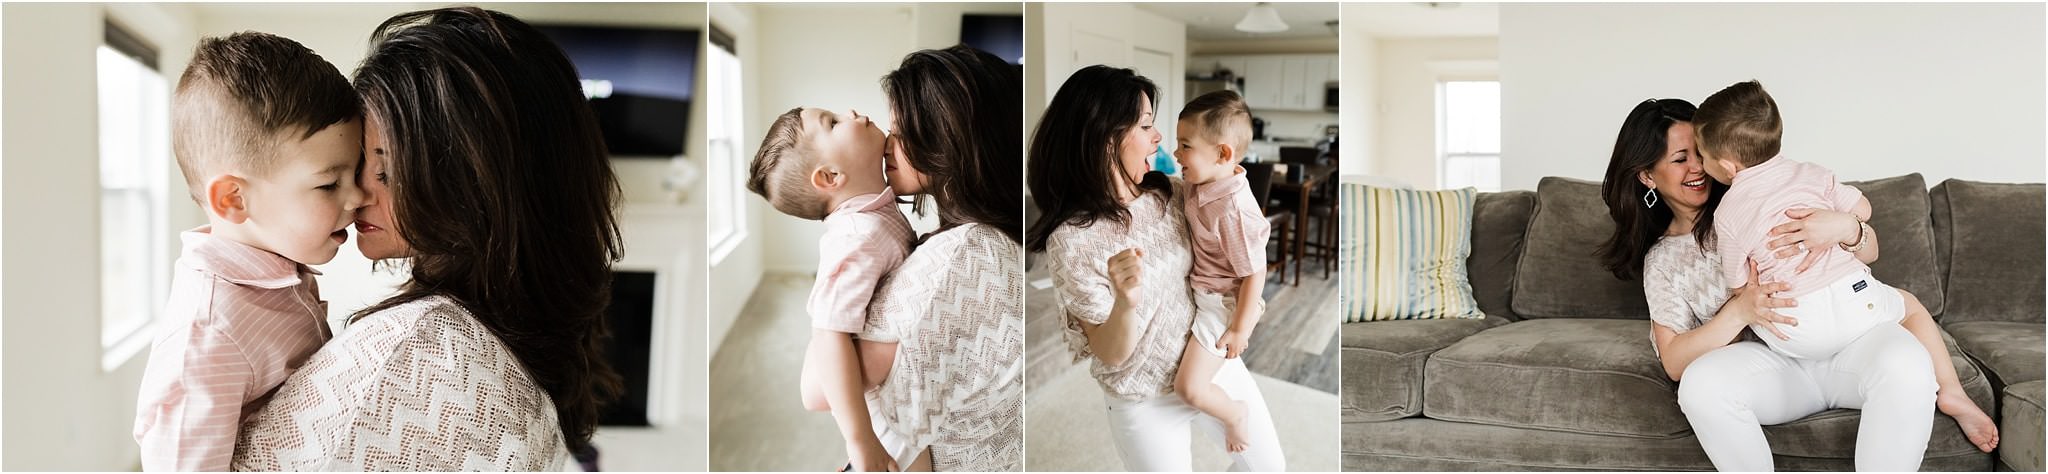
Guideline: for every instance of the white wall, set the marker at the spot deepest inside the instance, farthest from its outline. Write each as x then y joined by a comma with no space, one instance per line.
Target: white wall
63,411
1409,70
1123,30
1948,91
1358,97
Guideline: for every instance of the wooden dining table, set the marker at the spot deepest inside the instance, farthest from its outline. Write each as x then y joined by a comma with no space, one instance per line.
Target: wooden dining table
1311,175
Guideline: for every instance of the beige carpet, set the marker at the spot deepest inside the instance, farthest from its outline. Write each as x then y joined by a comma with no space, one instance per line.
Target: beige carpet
757,421
1066,428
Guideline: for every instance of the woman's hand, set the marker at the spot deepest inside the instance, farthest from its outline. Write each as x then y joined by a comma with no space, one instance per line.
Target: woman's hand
1126,271
1814,229
869,456
1753,304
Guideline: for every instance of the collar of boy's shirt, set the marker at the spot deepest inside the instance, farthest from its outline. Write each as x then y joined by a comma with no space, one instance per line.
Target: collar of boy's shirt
1221,188
868,202
240,263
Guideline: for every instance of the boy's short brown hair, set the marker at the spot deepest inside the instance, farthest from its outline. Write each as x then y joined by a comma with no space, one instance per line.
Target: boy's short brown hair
781,169
1222,116
239,96
1740,123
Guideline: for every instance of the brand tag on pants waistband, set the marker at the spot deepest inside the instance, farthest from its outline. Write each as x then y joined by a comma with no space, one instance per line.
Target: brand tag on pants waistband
1860,285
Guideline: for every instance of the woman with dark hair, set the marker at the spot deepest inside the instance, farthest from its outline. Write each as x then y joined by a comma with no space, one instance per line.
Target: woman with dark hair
1732,385
954,398
487,174
1116,245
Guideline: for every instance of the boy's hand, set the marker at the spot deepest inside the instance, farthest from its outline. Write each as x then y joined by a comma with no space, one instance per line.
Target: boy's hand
1234,342
868,456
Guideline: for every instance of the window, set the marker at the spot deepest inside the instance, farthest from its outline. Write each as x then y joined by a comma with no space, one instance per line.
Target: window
134,141
1468,135
726,168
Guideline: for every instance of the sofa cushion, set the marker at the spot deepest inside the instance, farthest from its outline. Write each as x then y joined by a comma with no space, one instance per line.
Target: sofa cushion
1383,360
1558,275
1899,213
1988,239
1594,376
2011,351
2020,428
1825,441
1407,260
1499,220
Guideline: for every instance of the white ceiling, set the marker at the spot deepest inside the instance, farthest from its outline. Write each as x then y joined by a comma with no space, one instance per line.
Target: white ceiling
1422,19
1217,21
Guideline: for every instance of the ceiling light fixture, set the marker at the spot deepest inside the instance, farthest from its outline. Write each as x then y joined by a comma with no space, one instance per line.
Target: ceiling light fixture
1261,18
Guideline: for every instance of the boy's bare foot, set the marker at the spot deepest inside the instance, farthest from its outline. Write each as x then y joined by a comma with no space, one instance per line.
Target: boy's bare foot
1976,425
1234,435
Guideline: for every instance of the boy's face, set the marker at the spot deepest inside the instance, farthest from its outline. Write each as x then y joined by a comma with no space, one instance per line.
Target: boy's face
302,208
1202,158
1723,170
849,145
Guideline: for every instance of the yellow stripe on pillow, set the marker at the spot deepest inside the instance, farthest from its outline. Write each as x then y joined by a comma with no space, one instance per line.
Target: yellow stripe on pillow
1403,252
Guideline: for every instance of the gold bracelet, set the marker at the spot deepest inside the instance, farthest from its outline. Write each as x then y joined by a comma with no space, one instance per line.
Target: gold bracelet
1862,237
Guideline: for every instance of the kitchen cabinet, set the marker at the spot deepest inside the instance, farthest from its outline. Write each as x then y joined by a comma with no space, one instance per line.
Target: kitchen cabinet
1277,81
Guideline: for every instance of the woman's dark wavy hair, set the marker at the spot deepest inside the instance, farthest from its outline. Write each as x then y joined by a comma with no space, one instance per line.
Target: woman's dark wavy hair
959,114
501,184
1638,147
1073,153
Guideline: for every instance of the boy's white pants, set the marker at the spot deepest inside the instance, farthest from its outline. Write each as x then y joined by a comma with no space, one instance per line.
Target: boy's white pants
1831,318
1731,393
1153,434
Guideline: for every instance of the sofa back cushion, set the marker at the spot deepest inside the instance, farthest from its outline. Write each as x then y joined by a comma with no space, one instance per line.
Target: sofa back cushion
1559,275
1499,220
1988,237
1905,237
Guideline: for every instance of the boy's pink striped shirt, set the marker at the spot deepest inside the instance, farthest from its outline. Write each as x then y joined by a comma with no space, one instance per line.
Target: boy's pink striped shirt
239,320
1229,232
1757,201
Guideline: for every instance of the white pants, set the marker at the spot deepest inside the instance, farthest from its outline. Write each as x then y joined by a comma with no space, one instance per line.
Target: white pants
1729,394
1212,317
1833,317
1154,434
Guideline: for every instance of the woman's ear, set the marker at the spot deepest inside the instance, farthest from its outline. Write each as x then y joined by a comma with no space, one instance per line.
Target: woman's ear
1644,177
224,198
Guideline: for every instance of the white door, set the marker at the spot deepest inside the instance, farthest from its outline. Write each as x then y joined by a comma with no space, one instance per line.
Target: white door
1091,49
1158,67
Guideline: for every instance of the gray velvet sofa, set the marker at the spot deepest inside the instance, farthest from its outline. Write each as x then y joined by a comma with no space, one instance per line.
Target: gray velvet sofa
1561,375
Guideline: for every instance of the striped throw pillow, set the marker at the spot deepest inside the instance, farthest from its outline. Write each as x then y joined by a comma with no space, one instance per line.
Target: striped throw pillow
1403,254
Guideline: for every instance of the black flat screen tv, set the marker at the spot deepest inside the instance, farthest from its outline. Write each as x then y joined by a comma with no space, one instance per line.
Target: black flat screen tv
639,82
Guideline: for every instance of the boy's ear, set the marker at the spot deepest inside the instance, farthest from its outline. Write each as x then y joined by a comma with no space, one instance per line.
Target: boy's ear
826,180
225,199
1227,154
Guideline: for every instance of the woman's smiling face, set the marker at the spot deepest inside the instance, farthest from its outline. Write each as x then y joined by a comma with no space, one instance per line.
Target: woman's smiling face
1137,145
1678,176
904,179
376,230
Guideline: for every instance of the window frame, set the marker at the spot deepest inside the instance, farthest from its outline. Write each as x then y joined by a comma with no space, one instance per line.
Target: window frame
726,224
123,337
